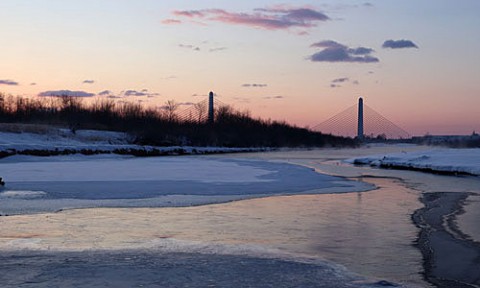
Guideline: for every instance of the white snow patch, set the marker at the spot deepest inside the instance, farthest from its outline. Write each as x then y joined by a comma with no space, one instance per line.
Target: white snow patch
91,140
437,160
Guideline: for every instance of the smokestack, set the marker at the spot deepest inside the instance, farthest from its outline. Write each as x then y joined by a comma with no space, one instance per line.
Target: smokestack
360,132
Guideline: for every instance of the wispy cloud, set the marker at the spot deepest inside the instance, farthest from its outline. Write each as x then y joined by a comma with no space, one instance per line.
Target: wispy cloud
186,104
341,80
274,18
67,93
134,93
335,52
274,97
399,44
217,49
33,84
171,21
169,77
8,82
190,13
190,47
105,93
336,83
199,95
128,93
88,81
254,85
203,46
241,99
141,93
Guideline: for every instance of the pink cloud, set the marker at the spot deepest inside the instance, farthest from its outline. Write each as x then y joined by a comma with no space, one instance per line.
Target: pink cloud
189,13
277,18
171,21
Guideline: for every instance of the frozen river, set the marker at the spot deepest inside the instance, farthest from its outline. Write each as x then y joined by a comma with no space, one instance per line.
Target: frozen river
356,239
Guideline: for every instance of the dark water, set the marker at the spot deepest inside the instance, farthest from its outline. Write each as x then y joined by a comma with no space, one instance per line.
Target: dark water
150,269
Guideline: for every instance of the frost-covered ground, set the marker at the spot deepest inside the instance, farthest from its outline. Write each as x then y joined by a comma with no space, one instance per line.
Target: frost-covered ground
454,161
63,141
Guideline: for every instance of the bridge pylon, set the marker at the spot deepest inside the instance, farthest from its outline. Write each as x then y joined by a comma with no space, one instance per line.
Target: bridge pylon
360,133
211,112
362,122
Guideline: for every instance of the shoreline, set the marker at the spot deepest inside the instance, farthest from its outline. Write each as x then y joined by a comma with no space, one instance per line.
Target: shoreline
450,258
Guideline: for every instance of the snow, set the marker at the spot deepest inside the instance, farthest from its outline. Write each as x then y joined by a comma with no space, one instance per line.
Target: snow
455,161
58,140
61,138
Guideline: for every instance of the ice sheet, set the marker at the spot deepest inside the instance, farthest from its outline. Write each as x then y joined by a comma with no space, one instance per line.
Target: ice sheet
41,184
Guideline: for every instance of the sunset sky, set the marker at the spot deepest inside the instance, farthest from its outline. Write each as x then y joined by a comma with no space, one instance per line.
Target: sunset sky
415,62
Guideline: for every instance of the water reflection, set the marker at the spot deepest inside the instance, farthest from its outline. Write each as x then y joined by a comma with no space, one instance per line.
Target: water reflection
370,233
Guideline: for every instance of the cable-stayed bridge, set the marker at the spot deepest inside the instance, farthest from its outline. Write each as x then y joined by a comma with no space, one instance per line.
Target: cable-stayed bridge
201,112
361,121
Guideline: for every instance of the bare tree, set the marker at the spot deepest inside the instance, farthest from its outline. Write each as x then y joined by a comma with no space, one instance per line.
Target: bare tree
170,107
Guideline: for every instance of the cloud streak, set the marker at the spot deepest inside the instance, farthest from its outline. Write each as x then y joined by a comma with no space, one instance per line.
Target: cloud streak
88,81
399,44
217,49
338,82
142,93
8,82
335,52
66,93
171,21
105,93
341,80
254,85
274,97
277,18
190,47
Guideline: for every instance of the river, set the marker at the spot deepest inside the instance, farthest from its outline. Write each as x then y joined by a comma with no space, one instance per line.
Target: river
371,234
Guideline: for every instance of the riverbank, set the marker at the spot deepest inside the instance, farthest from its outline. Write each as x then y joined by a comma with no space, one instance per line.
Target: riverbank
456,162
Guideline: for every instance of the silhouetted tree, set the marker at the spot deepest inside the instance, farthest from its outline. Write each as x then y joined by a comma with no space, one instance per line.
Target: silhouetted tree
163,126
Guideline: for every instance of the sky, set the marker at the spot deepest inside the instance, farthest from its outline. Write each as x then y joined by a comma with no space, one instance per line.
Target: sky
414,62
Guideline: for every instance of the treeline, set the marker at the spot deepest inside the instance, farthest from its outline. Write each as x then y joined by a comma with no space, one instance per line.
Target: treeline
165,126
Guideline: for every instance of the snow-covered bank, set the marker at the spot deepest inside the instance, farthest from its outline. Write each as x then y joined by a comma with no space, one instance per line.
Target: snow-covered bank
42,184
448,161
64,142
